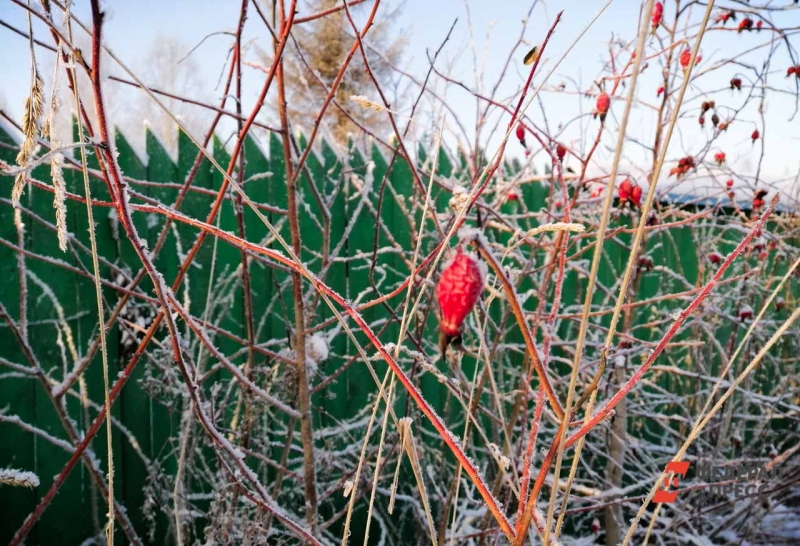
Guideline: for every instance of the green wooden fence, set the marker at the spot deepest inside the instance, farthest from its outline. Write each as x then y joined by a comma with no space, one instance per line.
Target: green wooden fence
62,320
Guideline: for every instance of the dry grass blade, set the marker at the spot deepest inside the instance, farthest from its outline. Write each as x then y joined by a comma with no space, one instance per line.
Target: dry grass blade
410,447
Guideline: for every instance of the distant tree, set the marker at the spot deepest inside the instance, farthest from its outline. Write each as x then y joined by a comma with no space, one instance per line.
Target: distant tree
323,45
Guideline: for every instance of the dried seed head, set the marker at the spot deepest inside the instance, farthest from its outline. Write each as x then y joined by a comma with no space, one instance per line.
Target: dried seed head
364,102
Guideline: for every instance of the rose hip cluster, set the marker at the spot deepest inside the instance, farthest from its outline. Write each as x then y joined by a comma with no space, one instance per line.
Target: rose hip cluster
630,192
684,165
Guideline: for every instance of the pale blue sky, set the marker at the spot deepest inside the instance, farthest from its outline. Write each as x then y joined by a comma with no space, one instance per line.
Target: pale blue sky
134,26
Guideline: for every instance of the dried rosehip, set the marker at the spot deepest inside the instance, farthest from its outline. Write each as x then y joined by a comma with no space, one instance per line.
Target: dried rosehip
755,136
702,120
746,24
595,526
645,263
561,151
758,200
724,126
457,292
652,219
715,258
779,303
736,83
715,119
745,313
705,106
603,102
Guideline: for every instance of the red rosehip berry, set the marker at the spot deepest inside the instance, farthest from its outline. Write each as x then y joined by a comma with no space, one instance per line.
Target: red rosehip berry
603,102
659,90
636,195
702,120
729,183
686,57
457,292
512,196
624,190
595,526
746,24
736,83
715,258
745,313
755,136
779,303
759,25
658,14
561,151
719,157
521,134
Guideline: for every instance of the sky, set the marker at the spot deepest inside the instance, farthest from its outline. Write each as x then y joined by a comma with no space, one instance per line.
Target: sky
485,32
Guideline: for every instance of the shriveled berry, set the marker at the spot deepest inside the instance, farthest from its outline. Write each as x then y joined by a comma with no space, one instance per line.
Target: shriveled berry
745,24
561,151
736,83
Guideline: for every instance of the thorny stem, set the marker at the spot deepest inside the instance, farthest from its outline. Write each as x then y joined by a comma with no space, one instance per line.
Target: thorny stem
304,398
